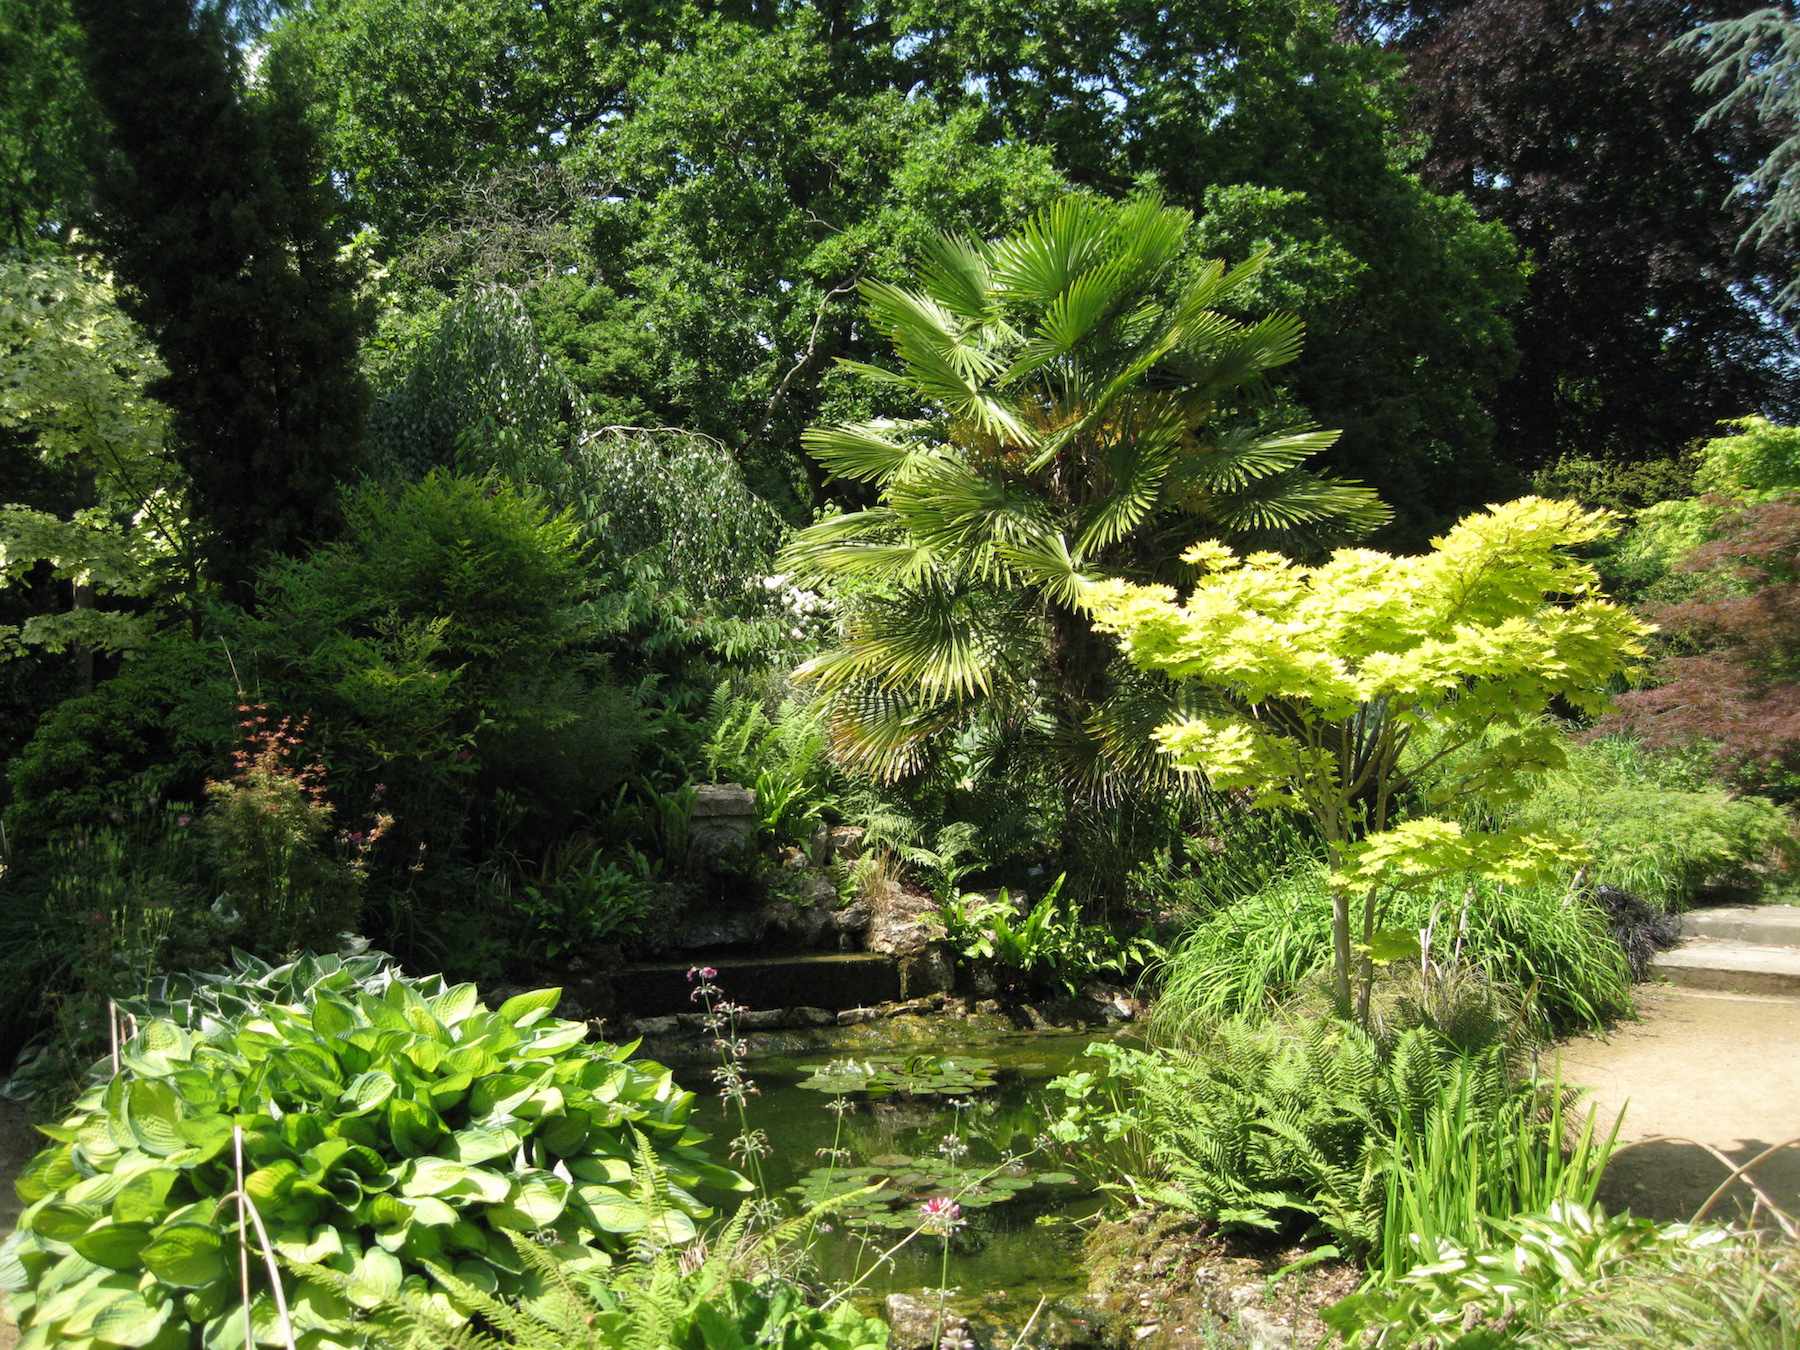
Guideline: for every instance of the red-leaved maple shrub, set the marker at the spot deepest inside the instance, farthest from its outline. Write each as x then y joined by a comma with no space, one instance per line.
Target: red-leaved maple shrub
1731,678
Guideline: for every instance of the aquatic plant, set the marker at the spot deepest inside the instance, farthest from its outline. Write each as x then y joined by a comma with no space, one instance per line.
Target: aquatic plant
924,1075
892,1191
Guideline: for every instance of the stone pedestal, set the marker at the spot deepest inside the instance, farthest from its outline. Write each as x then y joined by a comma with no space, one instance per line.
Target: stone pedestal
722,829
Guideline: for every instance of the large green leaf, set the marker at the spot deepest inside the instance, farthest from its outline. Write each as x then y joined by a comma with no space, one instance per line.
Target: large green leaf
534,1202
479,1144
131,1321
114,1245
186,1255
152,1114
369,1091
62,1222
522,1010
144,1196
414,1129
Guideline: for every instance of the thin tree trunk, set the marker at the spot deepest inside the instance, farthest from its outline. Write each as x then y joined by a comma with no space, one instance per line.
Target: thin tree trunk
1340,949
82,597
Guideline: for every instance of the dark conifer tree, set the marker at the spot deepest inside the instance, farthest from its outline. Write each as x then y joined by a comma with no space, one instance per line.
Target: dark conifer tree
219,222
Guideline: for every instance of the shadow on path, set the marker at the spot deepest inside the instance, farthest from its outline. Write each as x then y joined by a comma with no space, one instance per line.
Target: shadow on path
1715,1069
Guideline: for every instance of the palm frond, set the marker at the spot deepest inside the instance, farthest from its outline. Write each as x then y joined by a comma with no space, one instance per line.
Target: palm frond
1249,352
885,732
1137,468
1039,262
956,276
933,638
1296,500
1242,454
1045,561
865,452
1213,284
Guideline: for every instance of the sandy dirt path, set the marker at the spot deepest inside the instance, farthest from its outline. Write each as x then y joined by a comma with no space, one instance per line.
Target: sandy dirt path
1719,1069
18,1142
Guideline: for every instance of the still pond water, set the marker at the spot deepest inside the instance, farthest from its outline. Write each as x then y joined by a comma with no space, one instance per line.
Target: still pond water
1016,1241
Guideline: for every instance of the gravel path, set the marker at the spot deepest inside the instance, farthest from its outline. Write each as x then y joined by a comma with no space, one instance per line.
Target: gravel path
1719,1069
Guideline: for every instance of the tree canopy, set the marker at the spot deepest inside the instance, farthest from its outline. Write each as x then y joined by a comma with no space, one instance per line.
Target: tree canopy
1647,315
730,178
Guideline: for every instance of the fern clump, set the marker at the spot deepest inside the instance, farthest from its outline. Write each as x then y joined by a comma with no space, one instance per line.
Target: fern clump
1307,1130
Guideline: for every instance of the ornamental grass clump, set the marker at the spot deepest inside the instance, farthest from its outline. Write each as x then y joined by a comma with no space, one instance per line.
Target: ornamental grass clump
390,1126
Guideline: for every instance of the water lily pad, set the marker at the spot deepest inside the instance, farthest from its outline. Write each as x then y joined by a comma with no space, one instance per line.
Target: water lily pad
909,1076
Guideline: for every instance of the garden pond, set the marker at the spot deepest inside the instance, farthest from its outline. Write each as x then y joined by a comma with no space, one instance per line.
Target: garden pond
893,1132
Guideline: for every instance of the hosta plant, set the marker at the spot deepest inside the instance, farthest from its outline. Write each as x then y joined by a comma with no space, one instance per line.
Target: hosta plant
390,1125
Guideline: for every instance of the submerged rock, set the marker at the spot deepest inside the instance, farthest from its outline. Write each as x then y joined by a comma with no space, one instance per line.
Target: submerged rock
919,1324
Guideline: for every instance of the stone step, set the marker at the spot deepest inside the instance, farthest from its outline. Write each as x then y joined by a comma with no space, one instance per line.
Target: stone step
1770,925
830,980
1730,965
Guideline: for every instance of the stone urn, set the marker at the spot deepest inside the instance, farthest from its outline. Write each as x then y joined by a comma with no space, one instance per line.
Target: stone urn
722,828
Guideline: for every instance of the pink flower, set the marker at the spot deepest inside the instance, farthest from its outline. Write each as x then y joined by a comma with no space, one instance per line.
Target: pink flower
941,1214
183,820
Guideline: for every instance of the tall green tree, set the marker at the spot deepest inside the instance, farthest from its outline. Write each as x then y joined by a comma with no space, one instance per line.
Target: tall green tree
747,196
1753,66
216,215
747,166
76,375
1082,410
49,123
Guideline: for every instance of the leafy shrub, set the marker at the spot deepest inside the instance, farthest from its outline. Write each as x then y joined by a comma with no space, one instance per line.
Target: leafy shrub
1727,681
449,627
389,1124
266,829
158,729
583,904
1245,853
88,919
1249,957
1653,832
1048,944
782,757
1573,1276
656,1304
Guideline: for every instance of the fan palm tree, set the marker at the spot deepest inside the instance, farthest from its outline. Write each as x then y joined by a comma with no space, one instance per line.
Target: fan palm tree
1084,412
